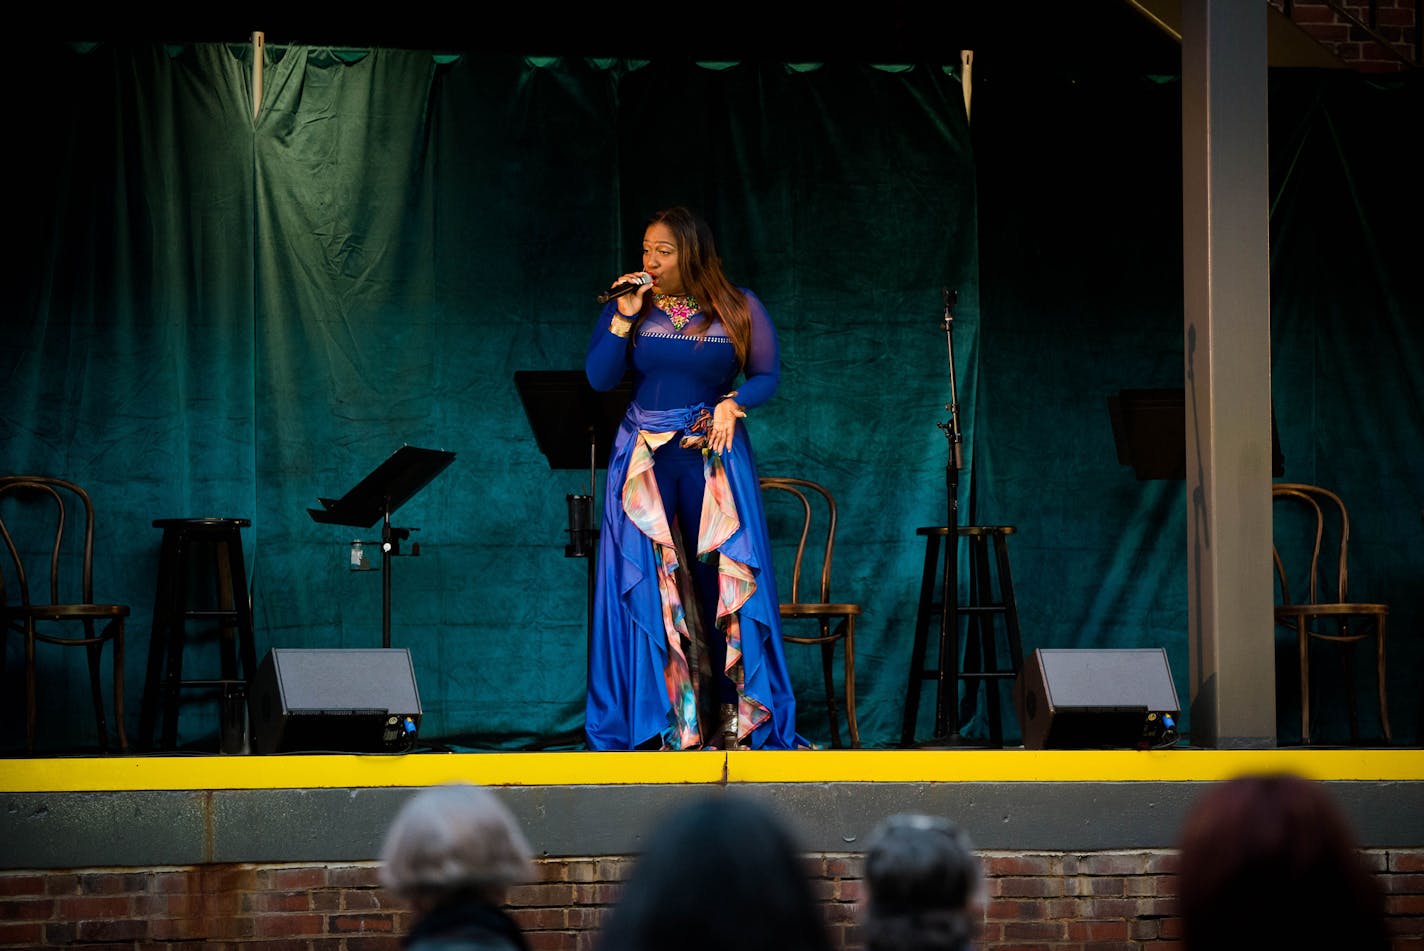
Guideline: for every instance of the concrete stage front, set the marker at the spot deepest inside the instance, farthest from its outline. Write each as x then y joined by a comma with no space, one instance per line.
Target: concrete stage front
186,809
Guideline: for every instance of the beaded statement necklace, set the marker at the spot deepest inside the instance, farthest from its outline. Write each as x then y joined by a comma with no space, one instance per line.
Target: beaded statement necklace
680,308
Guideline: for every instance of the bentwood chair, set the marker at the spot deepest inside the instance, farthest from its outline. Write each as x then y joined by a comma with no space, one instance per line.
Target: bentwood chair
1323,610
47,588
827,622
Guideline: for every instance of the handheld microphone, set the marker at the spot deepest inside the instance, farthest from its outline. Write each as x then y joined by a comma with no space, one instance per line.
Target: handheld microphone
618,290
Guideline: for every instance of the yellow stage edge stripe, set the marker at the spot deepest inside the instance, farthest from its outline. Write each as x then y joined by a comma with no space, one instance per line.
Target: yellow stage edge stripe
355,771
1072,766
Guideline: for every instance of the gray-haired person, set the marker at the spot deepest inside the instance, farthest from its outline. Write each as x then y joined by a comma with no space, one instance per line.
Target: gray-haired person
923,885
452,852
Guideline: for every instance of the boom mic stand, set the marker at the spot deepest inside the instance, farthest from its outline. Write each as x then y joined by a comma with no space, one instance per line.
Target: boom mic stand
949,585
979,660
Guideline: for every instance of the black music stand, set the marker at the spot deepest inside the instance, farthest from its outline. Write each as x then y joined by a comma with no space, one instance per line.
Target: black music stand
1150,434
574,425
389,486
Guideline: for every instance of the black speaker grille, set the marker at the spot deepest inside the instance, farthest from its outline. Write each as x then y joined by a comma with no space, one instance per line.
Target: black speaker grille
1096,699
334,700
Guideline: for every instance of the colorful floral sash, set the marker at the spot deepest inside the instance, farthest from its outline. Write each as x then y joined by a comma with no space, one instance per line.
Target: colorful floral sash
644,507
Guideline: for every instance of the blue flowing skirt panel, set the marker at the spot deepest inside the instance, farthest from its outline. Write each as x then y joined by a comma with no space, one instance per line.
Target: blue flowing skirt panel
628,704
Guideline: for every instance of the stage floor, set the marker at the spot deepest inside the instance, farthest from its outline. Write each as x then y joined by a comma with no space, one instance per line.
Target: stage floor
188,809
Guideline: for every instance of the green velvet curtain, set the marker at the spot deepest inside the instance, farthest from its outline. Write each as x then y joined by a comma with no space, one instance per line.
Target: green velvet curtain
223,316
230,317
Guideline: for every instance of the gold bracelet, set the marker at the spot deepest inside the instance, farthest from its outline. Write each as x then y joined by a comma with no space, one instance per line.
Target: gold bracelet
620,326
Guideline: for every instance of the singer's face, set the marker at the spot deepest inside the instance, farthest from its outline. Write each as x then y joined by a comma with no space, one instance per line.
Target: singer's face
660,259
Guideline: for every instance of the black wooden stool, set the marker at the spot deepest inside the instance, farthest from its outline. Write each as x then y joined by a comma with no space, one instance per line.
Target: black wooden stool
201,576
981,657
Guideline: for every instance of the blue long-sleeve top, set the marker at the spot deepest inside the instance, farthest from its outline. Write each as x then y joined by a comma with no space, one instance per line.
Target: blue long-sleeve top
672,369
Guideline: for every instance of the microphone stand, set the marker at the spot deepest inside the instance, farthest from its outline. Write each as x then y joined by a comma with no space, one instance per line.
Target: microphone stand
949,587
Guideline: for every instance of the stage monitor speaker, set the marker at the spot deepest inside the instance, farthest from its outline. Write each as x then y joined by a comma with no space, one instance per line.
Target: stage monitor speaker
359,700
1097,699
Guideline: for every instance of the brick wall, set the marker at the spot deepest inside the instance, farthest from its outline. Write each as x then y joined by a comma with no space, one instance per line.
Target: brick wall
1100,900
1395,21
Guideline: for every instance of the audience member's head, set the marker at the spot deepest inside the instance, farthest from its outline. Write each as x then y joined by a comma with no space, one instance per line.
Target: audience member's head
722,873
1271,861
922,884
453,841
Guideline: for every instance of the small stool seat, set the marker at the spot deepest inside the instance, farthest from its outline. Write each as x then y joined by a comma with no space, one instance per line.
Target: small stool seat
202,576
981,655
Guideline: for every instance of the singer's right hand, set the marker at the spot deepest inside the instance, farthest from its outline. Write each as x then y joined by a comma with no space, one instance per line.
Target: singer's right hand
632,302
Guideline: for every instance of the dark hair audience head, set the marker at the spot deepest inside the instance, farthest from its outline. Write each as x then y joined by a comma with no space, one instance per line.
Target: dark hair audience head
722,873
1272,861
922,881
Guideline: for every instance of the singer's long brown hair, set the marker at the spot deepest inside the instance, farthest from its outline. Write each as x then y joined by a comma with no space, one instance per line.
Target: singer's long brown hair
701,271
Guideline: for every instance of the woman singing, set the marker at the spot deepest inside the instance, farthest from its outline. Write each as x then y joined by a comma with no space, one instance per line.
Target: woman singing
686,650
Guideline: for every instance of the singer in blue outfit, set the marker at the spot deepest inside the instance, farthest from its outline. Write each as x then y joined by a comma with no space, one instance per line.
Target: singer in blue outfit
686,650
